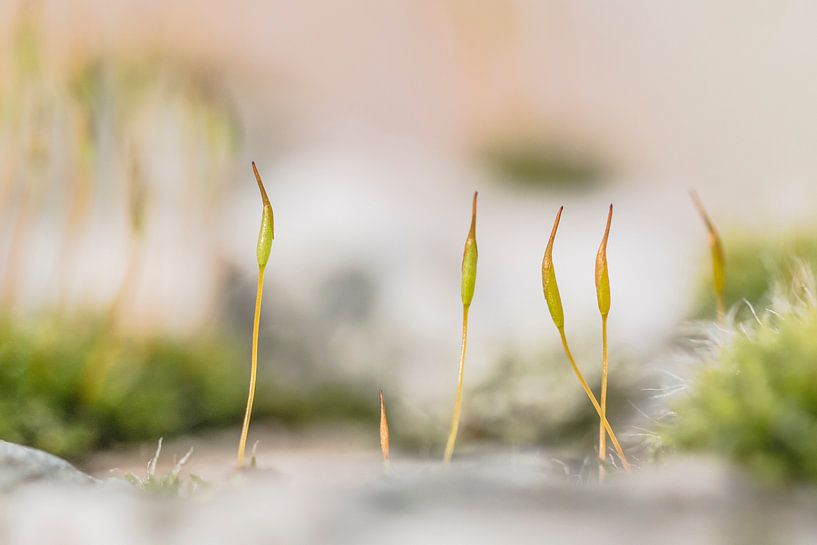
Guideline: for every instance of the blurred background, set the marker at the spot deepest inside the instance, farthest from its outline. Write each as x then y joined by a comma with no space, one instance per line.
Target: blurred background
129,214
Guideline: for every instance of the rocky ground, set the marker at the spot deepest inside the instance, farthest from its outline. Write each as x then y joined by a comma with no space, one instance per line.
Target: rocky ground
313,495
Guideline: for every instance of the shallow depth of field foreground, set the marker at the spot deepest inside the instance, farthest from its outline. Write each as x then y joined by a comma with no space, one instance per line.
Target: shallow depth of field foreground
407,272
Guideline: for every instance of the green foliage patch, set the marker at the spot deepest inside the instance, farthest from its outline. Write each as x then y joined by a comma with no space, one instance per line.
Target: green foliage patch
72,388
753,264
755,402
532,162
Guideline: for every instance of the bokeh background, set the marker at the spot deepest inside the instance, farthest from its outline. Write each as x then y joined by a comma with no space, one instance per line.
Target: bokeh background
128,210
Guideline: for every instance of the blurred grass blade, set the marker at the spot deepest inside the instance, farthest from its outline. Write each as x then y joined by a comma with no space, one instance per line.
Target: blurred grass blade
718,261
469,279
384,432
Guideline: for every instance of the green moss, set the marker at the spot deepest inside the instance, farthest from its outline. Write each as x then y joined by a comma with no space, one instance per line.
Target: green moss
172,484
525,401
70,388
752,264
756,402
520,404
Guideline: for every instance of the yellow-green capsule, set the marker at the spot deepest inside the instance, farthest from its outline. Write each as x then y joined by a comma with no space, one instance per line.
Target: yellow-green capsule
602,277
267,232
469,259
549,285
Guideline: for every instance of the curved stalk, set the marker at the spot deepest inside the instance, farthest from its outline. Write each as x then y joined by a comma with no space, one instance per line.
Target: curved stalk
604,365
455,418
245,428
594,401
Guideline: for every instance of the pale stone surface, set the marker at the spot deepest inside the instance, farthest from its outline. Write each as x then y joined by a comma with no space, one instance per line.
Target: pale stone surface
20,465
506,498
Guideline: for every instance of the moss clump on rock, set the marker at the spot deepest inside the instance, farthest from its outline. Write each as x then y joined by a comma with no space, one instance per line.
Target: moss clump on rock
755,402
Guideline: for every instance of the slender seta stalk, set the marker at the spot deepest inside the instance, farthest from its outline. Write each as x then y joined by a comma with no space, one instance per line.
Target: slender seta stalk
384,432
718,265
603,297
265,237
554,302
469,279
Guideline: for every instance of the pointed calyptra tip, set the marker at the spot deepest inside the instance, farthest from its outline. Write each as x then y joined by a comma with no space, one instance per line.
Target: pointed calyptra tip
699,206
603,246
602,275
555,226
264,197
549,285
473,231
549,248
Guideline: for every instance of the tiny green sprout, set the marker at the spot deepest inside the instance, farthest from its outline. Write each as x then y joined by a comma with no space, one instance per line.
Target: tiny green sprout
716,248
265,237
469,279
603,297
254,455
554,302
384,432
170,485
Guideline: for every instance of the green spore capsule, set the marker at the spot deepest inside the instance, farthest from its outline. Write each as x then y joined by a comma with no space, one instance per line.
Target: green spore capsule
267,232
469,259
602,276
549,285
554,302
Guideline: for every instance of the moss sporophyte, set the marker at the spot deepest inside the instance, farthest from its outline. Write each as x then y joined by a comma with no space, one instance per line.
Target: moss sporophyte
263,248
554,303
603,298
469,279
